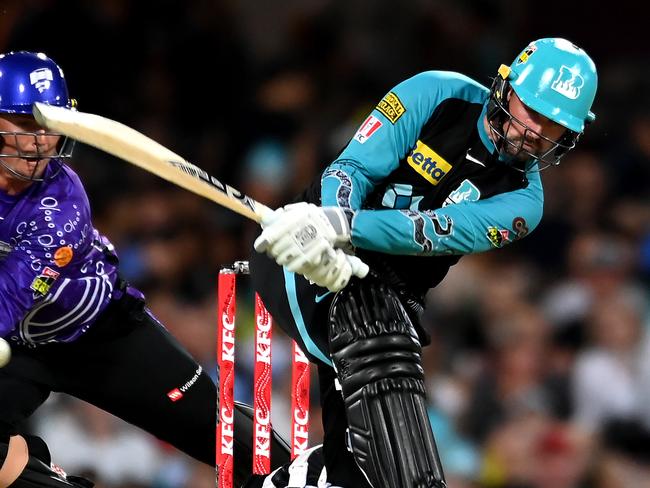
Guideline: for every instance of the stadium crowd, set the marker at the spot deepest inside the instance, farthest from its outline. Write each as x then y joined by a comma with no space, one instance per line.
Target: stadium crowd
539,370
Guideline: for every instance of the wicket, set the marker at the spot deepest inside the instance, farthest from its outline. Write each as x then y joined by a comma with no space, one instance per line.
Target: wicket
227,306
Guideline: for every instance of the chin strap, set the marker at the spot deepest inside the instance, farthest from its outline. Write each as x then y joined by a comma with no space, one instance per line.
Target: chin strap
15,462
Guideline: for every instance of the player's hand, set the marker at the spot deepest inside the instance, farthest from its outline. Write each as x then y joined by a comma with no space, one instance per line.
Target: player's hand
300,233
335,270
301,237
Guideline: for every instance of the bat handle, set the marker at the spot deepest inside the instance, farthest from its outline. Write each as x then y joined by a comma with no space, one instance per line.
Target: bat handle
262,211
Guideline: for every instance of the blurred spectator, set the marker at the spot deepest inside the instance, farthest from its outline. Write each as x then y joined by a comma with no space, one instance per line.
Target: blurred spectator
86,439
509,452
598,265
530,344
607,376
562,454
536,452
512,384
624,460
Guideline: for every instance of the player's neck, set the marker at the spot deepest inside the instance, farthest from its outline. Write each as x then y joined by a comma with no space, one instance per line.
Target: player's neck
11,185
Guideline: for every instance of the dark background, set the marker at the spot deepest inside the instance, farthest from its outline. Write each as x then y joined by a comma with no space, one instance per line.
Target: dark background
538,372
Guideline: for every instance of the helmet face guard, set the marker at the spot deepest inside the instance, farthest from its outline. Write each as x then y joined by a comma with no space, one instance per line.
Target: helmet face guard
500,120
554,78
25,78
64,151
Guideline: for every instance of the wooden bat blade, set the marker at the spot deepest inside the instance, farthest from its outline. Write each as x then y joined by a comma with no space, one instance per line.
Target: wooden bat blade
126,143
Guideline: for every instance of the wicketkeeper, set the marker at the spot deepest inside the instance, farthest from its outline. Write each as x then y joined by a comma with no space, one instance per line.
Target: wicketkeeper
74,324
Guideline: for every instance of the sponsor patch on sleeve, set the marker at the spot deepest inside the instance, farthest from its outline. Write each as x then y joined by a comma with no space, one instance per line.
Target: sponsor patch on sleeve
520,227
391,107
367,129
498,237
63,256
43,282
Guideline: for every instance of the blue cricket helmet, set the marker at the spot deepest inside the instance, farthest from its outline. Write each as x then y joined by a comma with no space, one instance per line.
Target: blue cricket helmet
28,77
25,78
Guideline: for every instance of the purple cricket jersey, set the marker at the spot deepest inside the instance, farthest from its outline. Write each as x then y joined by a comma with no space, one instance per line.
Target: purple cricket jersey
56,271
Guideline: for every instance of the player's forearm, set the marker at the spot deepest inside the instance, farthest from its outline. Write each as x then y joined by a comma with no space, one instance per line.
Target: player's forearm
456,229
345,183
408,232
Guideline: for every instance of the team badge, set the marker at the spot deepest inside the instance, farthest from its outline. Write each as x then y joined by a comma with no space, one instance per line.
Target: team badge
391,107
63,255
498,237
568,83
466,192
43,282
520,227
41,79
367,129
523,57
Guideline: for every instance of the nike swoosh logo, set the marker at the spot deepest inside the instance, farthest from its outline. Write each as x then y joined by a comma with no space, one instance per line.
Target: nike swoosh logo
474,160
319,298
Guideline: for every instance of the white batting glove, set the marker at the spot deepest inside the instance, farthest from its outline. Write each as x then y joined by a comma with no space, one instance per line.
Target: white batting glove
335,270
301,237
300,233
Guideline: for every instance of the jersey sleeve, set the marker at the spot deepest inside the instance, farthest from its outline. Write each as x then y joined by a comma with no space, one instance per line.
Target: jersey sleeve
387,134
464,228
48,245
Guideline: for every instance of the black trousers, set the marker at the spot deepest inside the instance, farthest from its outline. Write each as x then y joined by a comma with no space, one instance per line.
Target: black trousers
126,364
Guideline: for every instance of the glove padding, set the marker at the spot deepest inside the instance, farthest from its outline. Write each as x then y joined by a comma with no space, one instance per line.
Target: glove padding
300,225
301,237
335,270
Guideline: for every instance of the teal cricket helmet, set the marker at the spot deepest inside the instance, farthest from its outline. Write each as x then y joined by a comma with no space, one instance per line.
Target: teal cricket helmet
557,79
553,77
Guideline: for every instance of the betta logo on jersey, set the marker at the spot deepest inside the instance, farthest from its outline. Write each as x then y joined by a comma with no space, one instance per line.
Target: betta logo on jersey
568,83
391,107
428,163
41,79
367,129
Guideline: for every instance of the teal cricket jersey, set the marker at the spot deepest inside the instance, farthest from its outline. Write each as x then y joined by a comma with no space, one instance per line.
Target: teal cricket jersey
426,183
